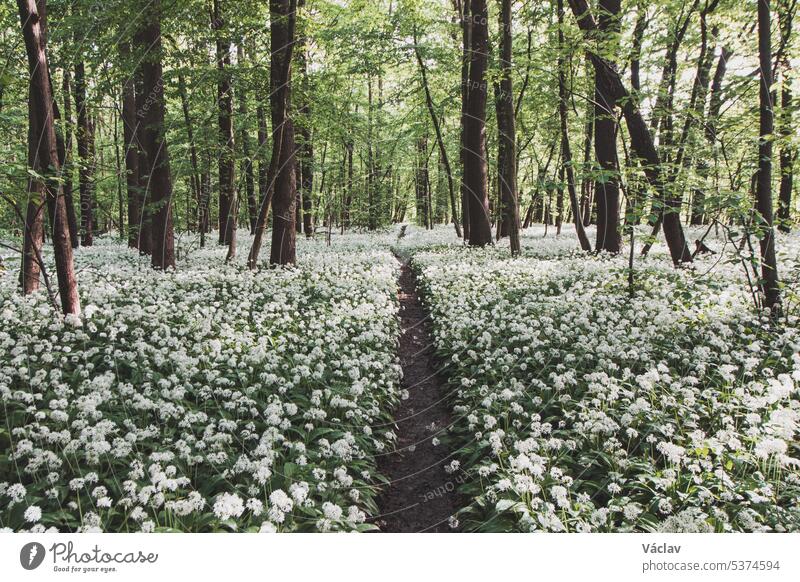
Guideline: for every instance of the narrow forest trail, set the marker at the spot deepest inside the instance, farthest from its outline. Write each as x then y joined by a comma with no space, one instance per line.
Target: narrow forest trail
420,496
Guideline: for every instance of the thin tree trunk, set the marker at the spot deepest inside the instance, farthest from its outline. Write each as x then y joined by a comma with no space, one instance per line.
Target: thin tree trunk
86,157
566,153
439,140
129,138
187,119
228,204
421,182
305,147
466,36
694,113
698,211
66,167
586,182
788,153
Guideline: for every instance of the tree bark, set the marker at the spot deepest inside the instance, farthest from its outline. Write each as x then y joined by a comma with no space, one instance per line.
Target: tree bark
195,175
605,143
466,41
43,159
228,204
86,157
65,157
151,115
281,174
788,153
769,266
476,172
305,146
506,139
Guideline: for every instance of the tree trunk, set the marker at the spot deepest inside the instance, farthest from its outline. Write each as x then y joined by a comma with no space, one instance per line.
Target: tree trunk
66,166
769,266
566,153
305,146
228,204
466,37
605,142
195,175
153,139
421,182
281,174
263,159
439,140
476,173
698,211
641,140
698,96
787,154
130,140
85,156
586,182
506,139
43,159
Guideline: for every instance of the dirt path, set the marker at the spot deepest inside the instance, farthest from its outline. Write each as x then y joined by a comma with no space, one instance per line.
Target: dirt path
421,496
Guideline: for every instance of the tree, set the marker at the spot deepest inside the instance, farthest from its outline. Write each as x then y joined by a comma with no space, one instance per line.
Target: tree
506,138
305,162
566,153
228,211
605,142
770,286
445,159
85,135
476,172
247,155
65,156
129,140
43,160
151,110
788,154
281,174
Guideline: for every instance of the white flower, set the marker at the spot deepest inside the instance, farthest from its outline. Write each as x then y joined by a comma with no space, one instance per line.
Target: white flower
228,505
770,446
279,500
332,511
33,514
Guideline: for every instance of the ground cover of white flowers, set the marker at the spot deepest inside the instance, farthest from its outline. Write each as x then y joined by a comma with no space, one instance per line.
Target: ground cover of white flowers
206,399
578,407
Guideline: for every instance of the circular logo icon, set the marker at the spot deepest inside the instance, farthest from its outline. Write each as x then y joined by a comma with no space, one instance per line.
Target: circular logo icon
31,555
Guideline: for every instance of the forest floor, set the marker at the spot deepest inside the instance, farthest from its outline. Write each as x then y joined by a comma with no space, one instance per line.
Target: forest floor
399,381
421,496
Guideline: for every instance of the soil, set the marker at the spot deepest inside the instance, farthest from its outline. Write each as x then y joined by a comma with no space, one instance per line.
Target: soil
420,496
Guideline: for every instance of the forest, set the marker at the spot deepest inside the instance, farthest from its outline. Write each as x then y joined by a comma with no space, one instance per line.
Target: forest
399,266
